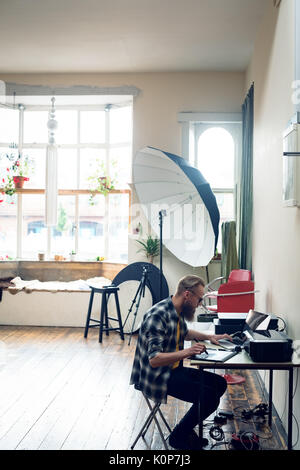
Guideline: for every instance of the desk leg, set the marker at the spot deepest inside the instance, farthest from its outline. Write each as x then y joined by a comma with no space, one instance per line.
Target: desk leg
290,412
270,397
200,420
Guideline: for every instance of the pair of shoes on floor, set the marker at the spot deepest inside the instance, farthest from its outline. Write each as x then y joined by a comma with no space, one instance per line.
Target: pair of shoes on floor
186,442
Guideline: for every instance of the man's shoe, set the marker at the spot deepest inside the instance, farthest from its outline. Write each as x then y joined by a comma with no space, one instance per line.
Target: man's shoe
186,442
196,442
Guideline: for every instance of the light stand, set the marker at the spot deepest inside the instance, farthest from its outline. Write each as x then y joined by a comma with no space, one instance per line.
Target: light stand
161,214
137,299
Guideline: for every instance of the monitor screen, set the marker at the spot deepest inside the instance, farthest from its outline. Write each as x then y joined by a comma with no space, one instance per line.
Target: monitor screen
254,319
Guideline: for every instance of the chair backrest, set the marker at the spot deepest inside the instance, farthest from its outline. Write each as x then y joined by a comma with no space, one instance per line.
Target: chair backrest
239,275
236,303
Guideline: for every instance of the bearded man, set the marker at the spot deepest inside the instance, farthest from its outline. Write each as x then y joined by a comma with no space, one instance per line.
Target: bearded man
158,369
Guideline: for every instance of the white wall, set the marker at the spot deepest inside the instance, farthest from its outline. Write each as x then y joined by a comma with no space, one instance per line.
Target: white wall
276,230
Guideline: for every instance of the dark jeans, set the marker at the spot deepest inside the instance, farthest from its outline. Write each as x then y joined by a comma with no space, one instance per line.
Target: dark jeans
184,384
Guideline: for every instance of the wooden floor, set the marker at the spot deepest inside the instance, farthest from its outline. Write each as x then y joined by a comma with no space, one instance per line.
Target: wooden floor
61,391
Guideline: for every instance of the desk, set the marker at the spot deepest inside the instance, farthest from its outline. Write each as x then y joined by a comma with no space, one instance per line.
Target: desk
243,361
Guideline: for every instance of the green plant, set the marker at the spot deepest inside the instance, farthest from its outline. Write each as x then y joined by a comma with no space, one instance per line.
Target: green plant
100,181
9,187
150,247
22,166
62,221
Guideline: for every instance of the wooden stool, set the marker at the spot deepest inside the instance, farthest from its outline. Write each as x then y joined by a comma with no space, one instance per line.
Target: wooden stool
103,323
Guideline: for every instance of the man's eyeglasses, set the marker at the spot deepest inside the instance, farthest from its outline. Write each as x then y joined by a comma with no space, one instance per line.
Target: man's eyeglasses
199,298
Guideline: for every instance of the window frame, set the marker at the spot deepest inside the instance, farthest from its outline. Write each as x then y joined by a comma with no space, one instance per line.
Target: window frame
107,146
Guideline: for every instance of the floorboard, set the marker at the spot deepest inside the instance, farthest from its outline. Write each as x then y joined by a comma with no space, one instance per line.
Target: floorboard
60,391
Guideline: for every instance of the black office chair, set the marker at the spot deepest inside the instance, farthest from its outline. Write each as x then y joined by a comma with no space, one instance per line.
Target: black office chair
154,410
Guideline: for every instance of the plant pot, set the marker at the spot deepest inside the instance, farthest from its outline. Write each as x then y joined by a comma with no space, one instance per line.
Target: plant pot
19,181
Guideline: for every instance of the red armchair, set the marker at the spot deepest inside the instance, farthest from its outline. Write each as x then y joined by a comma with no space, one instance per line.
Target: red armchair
235,295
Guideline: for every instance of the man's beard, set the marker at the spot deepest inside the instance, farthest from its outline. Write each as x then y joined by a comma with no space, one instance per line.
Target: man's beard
188,311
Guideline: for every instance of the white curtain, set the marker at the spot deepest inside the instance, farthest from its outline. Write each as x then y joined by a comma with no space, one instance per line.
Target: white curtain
51,185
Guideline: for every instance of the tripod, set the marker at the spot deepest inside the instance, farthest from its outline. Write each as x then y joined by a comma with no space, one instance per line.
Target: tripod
137,299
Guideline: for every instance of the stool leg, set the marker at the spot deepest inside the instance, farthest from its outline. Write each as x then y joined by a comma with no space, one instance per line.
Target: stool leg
106,314
144,429
158,425
102,313
89,314
119,315
165,421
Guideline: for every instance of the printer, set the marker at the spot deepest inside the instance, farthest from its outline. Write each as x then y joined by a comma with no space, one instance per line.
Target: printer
229,323
268,346
258,332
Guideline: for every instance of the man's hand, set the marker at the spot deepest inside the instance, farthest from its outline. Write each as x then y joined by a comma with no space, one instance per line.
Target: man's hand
197,348
214,339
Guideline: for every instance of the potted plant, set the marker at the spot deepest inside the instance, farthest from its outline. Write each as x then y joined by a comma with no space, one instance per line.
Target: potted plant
100,181
72,255
17,172
150,247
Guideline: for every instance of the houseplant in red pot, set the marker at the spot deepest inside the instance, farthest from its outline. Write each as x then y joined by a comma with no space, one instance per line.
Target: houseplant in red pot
20,169
17,171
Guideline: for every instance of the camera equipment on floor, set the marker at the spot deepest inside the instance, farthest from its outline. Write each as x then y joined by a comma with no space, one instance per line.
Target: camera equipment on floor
245,441
260,411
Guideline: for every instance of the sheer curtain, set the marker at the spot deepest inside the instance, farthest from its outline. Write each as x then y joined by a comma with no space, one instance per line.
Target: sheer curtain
246,185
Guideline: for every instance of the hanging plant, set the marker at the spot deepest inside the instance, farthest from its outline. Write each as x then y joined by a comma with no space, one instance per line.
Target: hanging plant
100,181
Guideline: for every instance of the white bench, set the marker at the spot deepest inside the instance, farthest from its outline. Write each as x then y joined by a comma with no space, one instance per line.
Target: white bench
52,303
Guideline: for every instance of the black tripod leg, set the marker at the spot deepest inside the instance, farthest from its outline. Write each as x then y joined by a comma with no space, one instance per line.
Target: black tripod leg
132,304
141,291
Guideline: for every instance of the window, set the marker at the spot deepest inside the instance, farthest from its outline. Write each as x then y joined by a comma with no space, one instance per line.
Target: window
86,136
212,143
215,156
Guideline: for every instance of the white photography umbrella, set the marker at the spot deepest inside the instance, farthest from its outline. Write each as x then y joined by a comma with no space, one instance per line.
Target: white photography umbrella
168,184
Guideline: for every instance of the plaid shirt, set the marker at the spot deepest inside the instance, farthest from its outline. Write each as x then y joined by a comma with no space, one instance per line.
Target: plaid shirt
157,334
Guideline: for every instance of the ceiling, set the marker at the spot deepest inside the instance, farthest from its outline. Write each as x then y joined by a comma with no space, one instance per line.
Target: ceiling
127,35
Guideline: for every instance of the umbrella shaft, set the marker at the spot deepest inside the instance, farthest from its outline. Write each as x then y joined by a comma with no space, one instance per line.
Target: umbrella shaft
160,252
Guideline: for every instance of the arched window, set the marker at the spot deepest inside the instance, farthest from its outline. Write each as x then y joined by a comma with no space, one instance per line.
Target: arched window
215,158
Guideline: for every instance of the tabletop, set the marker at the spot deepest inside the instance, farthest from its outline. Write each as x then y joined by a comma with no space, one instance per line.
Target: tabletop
241,360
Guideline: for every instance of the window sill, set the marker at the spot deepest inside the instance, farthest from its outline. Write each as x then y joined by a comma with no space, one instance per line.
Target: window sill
62,192
60,270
